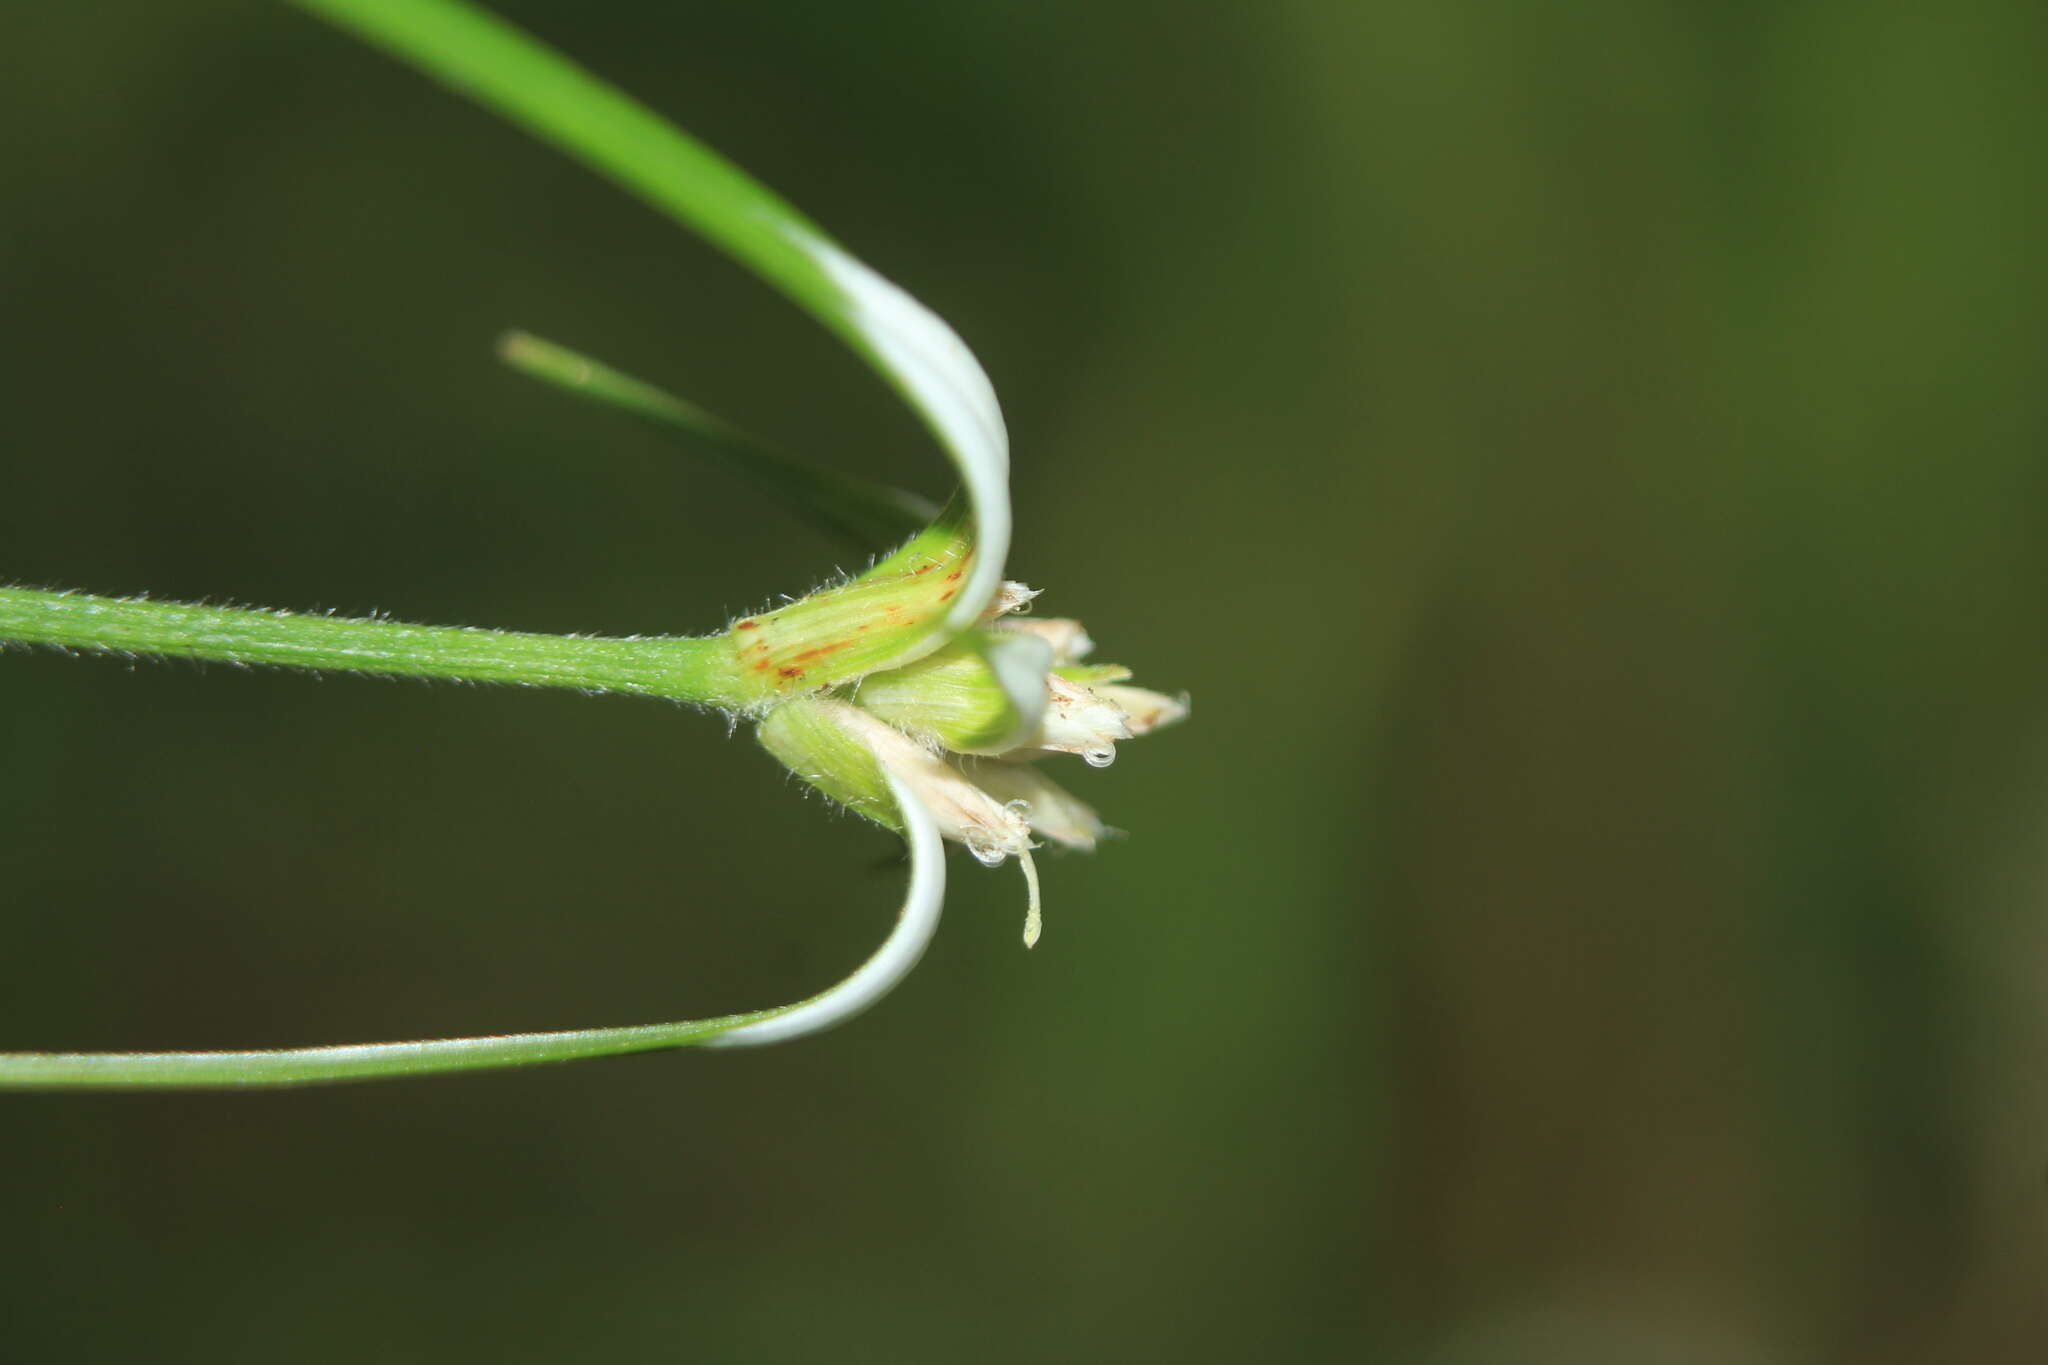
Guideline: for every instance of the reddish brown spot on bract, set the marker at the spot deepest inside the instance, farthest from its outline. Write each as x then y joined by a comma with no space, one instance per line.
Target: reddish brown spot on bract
747,625
789,672
832,648
947,593
954,576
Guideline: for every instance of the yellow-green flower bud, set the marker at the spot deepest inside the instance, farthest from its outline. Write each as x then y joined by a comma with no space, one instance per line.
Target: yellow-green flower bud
842,751
981,694
812,740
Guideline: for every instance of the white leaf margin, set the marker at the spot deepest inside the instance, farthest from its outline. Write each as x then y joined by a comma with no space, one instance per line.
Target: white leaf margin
940,378
916,923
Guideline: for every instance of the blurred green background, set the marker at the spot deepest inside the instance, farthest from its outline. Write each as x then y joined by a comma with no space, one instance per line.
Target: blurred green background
1587,463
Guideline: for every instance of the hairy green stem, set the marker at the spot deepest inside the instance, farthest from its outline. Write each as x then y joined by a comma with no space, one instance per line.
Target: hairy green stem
694,670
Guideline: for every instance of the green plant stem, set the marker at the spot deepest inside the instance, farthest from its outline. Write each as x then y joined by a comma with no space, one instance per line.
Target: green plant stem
693,670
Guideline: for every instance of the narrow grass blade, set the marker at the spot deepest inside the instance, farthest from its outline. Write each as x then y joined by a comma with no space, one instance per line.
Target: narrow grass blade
915,924
870,514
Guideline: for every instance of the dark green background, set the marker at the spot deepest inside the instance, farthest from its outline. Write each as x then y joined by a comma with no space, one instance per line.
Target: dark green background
1587,463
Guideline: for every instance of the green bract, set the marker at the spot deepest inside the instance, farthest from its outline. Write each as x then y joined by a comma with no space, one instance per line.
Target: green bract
890,615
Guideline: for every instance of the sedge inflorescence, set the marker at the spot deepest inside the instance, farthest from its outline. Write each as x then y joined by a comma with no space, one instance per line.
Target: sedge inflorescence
859,687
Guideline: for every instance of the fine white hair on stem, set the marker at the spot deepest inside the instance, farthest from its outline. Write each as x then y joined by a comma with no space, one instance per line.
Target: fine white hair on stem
881,973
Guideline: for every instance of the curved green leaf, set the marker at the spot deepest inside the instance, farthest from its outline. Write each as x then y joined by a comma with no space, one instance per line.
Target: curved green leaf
916,922
592,121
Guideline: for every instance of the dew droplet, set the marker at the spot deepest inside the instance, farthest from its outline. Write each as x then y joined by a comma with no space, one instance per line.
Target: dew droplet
1099,758
986,853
